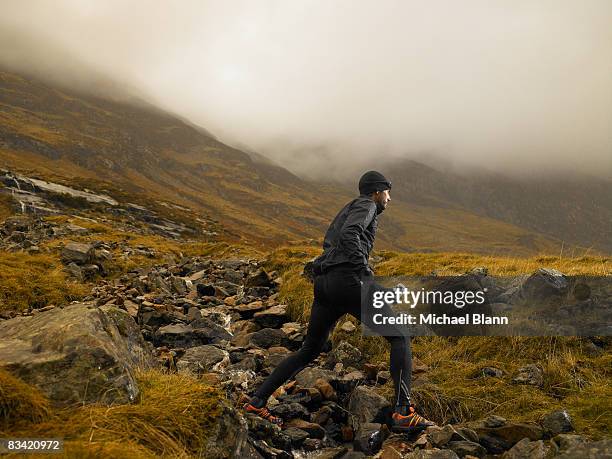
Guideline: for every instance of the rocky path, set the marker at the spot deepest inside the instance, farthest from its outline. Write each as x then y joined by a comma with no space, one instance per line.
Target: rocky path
220,320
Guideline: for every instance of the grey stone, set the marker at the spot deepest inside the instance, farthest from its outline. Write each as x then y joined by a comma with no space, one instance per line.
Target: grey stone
530,374
464,448
309,375
57,350
557,422
369,438
366,405
431,454
273,317
78,253
566,441
344,353
526,449
202,359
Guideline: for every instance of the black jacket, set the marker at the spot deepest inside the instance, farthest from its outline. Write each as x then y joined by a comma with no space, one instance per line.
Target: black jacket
350,237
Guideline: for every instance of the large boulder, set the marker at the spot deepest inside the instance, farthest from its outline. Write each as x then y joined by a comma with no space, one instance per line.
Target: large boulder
77,354
78,253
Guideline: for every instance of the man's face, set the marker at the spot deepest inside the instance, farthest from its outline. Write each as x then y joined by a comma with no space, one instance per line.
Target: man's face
382,198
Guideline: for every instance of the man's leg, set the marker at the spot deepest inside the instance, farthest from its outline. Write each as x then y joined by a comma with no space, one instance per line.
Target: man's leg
323,317
404,418
401,353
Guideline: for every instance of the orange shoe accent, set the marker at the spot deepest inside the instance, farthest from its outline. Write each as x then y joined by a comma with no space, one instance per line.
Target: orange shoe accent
413,422
263,413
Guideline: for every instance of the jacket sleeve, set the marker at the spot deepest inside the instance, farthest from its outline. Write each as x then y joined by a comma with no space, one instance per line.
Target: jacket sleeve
358,219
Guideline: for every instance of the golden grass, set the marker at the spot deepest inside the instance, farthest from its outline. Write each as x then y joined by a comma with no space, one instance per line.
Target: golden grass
34,281
407,264
20,401
174,418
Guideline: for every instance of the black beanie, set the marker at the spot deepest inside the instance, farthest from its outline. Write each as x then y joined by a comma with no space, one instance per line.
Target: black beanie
373,181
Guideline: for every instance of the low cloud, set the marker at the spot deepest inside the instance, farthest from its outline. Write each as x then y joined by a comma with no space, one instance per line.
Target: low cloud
325,87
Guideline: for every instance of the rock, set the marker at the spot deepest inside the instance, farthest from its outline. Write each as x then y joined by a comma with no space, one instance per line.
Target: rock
322,415
273,317
465,433
312,444
314,430
75,271
431,454
78,253
566,441
309,375
268,451
268,337
330,453
58,350
247,311
276,354
349,381
259,278
205,290
193,313
464,448
418,367
492,372
530,374
197,275
544,284
526,449
440,436
601,449
370,437
176,335
131,308
367,406
290,411
296,435
507,435
382,377
210,332
344,353
325,388
202,359
178,285
494,421
557,422
228,436
348,327
396,446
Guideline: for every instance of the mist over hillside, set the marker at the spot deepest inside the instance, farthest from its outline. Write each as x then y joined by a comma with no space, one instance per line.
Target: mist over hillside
518,88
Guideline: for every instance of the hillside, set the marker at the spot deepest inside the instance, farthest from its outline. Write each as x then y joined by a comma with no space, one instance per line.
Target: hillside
154,158
576,209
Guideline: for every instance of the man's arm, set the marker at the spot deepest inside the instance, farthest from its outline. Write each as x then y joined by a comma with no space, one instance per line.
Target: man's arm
358,219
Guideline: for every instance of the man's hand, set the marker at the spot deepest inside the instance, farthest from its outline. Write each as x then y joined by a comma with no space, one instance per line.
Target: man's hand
366,271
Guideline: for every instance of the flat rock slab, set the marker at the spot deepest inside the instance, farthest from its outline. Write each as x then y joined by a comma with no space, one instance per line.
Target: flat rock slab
78,354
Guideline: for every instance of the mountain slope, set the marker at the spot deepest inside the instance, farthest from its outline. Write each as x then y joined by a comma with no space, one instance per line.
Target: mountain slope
139,151
576,210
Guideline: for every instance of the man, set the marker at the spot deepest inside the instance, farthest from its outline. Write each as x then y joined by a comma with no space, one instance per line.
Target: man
339,275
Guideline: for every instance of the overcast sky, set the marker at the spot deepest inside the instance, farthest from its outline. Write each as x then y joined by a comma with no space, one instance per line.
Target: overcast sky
517,85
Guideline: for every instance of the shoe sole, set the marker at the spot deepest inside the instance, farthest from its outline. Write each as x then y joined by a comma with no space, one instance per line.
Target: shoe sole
408,430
